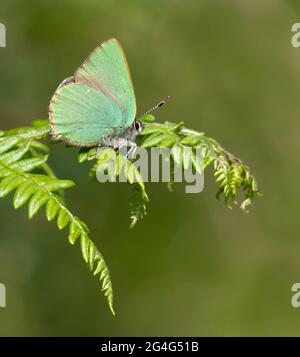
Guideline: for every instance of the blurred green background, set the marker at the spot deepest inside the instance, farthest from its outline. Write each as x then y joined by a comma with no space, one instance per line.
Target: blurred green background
192,267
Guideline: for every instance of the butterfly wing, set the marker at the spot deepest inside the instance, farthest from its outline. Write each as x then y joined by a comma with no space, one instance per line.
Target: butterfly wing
107,70
98,101
81,115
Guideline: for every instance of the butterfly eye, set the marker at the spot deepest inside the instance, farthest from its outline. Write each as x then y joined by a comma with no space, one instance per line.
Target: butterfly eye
138,126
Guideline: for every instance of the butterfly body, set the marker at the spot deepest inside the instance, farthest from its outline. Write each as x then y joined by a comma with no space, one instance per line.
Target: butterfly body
97,105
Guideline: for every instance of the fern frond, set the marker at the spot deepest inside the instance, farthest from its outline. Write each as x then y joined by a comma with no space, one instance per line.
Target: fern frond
19,159
24,171
232,175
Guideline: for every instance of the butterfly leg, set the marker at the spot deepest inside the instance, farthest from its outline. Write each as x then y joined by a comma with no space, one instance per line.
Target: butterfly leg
92,156
123,145
132,151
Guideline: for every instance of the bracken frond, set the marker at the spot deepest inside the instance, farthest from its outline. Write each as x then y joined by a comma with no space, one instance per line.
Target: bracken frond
20,161
24,171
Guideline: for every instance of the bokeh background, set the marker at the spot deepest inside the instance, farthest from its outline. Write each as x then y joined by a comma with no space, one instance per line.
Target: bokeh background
192,267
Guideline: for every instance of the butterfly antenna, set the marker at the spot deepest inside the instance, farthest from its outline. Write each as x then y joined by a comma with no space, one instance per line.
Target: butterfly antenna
161,103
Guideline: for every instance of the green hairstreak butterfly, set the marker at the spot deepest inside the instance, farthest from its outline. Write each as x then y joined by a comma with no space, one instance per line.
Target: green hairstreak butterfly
97,106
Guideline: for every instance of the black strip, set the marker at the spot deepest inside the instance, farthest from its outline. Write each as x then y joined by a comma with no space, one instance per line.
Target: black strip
137,345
